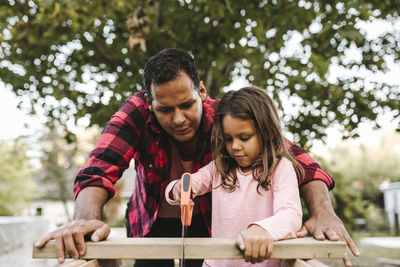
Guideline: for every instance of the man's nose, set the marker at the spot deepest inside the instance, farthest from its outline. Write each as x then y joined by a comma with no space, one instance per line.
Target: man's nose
179,117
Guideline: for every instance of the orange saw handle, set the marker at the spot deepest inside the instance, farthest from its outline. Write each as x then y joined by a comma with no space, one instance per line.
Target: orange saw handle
186,192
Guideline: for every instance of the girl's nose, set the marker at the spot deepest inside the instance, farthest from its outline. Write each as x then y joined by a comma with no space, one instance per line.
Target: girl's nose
236,145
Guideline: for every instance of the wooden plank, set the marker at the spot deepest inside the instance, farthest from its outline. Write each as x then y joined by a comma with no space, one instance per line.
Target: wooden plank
197,248
74,263
122,248
82,263
91,263
302,263
298,263
315,263
308,248
212,248
301,248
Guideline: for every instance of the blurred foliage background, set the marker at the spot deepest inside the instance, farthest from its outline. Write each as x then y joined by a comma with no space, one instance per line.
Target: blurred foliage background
16,185
359,171
75,62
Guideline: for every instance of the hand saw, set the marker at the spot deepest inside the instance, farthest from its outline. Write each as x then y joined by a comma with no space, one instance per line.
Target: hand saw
186,210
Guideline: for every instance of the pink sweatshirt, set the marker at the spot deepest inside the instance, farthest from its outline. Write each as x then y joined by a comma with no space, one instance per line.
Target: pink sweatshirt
277,210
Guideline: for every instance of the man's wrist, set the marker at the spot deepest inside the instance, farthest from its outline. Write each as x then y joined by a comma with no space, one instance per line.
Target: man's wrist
316,197
89,203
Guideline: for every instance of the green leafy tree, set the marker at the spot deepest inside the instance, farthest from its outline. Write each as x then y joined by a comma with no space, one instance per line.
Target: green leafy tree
16,186
76,59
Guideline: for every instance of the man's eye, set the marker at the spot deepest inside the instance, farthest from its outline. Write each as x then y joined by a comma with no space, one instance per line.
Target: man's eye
186,105
164,110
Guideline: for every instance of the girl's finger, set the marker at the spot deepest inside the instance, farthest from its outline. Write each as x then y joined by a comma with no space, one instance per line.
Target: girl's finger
240,242
263,251
302,232
270,247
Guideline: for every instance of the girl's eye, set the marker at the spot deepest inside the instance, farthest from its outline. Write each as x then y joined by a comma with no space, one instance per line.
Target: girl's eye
227,139
244,139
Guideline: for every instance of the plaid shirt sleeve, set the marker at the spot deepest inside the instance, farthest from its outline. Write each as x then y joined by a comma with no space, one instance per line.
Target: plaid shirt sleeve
114,149
312,170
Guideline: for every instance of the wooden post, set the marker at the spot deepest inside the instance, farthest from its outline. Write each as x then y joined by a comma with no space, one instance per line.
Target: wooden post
396,224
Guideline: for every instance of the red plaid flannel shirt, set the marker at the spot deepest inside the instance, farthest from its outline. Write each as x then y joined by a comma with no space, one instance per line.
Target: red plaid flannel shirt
134,132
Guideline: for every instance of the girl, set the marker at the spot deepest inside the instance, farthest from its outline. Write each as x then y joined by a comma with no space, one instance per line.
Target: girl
255,195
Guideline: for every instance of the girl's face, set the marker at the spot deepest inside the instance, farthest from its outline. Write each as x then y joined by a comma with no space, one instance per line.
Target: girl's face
242,141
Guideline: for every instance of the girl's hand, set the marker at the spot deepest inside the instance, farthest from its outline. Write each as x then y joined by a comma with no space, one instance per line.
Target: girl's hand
176,192
256,243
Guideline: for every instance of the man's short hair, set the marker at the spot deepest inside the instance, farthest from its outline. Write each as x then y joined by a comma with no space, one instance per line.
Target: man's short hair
166,65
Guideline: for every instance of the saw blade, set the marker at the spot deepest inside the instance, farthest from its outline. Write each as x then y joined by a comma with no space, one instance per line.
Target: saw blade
182,259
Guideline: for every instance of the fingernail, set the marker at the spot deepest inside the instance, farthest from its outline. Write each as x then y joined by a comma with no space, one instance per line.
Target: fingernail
95,238
60,260
242,247
36,244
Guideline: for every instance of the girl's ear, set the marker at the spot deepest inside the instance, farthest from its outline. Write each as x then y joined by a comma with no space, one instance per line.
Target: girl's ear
148,102
202,91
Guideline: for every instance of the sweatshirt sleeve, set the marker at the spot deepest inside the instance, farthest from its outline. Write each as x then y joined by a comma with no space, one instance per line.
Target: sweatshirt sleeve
115,148
287,218
202,182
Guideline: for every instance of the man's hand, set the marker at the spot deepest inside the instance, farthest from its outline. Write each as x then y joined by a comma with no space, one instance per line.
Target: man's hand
329,226
71,237
256,243
87,215
323,221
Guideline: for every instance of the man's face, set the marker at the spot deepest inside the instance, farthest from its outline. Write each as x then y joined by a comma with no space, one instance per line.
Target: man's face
178,106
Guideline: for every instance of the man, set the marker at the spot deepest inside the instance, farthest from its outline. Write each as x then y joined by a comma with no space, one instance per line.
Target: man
166,129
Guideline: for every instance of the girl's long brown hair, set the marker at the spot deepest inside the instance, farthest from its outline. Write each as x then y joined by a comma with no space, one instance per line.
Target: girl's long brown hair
251,103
